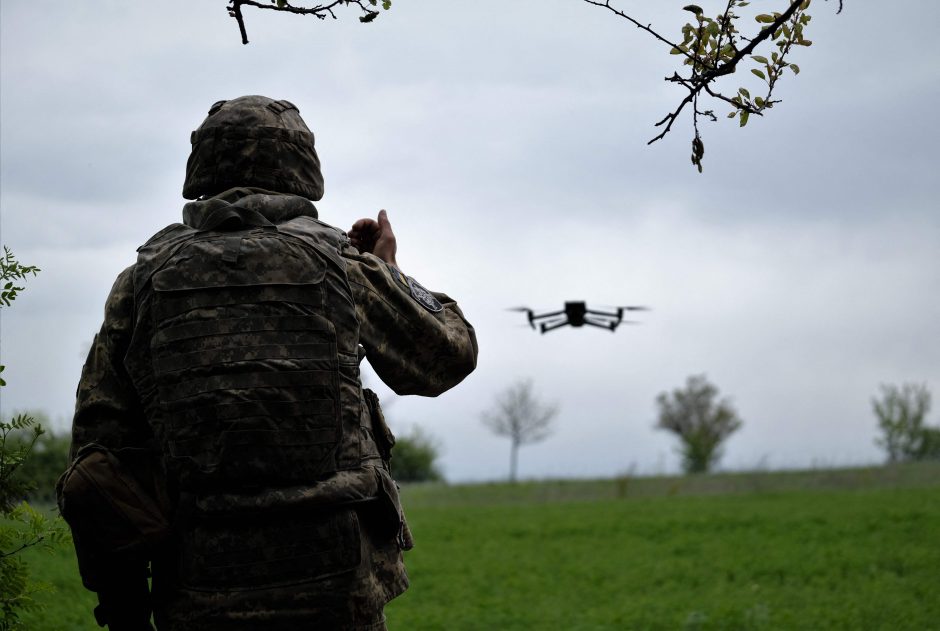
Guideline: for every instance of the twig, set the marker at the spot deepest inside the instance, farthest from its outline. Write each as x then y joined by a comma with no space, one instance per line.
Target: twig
320,11
23,546
647,28
236,12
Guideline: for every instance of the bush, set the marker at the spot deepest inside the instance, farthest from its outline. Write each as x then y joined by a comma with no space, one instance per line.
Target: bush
48,458
700,421
414,457
901,411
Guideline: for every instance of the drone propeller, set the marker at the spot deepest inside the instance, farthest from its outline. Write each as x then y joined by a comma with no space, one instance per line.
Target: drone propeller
525,310
628,307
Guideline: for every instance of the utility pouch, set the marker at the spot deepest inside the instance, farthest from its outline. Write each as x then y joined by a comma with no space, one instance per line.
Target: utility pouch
115,517
388,488
390,504
384,438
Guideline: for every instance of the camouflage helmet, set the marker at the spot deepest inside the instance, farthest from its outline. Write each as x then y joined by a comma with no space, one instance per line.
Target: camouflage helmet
253,141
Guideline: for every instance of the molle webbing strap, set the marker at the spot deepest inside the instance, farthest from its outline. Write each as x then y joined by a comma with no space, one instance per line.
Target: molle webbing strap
314,353
233,248
281,410
279,107
254,439
228,326
174,394
169,306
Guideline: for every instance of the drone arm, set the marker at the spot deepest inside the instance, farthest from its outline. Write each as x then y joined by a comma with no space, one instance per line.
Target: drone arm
551,326
603,325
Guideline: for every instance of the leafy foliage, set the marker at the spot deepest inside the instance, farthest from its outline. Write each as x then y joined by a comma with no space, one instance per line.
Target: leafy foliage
48,458
901,411
414,457
21,526
10,272
713,48
521,417
701,423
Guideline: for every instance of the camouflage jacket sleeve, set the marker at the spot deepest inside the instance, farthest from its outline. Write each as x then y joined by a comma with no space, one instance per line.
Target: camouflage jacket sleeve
107,409
416,346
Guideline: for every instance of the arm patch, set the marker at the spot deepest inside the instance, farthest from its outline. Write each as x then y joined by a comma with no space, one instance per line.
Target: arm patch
421,295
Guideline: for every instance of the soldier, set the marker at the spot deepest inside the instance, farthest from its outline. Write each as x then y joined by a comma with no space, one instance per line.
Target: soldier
221,435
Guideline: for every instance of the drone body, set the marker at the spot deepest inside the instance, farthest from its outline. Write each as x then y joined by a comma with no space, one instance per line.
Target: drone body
577,314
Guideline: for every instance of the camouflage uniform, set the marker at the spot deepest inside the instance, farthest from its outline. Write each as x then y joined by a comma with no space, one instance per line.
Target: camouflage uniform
240,409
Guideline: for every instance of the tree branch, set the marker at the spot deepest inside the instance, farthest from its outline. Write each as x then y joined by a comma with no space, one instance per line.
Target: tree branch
320,11
702,81
27,544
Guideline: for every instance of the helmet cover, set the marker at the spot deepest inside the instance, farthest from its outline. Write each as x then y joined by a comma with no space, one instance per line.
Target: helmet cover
253,141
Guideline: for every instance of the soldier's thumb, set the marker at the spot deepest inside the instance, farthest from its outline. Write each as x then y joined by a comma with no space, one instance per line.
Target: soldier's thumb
384,223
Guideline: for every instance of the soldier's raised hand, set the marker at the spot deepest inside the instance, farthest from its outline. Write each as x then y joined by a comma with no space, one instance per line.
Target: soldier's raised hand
376,237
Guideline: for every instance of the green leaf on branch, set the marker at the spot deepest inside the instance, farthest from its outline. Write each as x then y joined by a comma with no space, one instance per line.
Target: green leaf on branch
763,18
744,116
759,73
759,59
693,8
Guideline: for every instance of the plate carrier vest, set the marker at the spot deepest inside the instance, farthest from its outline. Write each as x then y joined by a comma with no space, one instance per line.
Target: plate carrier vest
245,353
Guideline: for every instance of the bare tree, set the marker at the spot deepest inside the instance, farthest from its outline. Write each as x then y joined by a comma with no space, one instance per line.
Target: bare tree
520,416
901,412
701,423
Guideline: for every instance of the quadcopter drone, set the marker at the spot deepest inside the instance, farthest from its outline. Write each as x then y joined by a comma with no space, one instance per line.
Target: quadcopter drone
577,314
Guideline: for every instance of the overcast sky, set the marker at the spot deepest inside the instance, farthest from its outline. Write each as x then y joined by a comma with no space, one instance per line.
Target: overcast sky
508,142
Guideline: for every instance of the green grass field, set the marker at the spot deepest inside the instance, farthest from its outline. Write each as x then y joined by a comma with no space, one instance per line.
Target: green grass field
852,549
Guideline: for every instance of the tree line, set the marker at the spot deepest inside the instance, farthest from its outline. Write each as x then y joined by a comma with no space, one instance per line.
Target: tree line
700,419
702,422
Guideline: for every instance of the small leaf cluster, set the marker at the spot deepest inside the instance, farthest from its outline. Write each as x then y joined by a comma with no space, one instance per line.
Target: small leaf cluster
371,15
17,439
769,70
709,42
11,271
